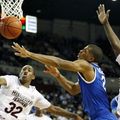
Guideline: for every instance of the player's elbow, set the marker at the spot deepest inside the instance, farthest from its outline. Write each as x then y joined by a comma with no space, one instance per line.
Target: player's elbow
52,109
74,90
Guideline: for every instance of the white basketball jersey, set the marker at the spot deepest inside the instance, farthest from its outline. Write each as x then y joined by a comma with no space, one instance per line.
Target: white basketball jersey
17,100
33,117
118,59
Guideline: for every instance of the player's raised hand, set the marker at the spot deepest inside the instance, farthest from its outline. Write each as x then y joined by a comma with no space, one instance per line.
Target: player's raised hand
52,71
102,15
20,50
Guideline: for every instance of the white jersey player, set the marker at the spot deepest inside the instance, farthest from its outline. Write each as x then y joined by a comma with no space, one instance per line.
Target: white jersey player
17,97
17,100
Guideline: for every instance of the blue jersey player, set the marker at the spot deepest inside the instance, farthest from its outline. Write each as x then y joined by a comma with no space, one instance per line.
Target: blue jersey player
91,78
94,97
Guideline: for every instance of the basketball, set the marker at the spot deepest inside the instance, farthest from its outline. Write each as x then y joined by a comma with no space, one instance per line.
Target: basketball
11,27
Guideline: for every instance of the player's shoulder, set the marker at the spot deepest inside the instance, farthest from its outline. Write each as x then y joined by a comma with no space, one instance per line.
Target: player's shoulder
35,92
84,65
79,61
11,80
10,76
33,88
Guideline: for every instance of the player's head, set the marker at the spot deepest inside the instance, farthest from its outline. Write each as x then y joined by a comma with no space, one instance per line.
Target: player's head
27,74
91,53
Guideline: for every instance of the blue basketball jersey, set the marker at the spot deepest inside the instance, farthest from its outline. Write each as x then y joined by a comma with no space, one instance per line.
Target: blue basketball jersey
94,96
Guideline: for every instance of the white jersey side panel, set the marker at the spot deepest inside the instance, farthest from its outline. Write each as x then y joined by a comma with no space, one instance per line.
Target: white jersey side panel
42,103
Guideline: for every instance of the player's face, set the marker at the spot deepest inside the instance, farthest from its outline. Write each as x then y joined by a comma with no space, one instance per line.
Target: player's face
27,73
85,54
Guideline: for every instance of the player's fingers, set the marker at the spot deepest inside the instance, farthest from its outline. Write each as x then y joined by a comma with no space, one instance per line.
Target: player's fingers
13,47
107,14
16,49
17,45
45,71
103,8
17,54
108,11
13,43
100,8
50,67
47,68
97,12
23,47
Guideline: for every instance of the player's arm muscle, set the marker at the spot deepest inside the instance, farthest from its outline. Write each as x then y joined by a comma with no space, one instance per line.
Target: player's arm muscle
54,61
74,66
112,37
69,86
2,81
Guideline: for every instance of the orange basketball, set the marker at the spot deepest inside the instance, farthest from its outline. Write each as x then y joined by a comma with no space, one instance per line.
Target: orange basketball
11,27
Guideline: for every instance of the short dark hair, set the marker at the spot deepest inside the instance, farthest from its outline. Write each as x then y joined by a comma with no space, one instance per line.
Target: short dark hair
97,52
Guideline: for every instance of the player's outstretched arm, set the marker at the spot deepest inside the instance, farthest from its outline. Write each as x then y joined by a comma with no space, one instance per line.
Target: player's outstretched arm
55,110
69,86
112,37
76,66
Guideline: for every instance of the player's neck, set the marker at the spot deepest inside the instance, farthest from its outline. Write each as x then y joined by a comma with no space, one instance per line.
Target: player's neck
27,84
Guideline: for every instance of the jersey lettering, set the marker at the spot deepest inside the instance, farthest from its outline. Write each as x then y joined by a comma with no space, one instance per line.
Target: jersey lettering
102,78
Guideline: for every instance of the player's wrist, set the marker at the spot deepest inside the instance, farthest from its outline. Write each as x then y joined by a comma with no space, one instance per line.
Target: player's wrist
29,54
106,22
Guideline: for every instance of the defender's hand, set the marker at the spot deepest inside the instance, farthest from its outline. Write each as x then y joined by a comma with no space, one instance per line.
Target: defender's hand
102,16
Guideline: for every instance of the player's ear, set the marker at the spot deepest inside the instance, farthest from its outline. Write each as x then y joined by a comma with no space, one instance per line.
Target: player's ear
33,76
91,59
